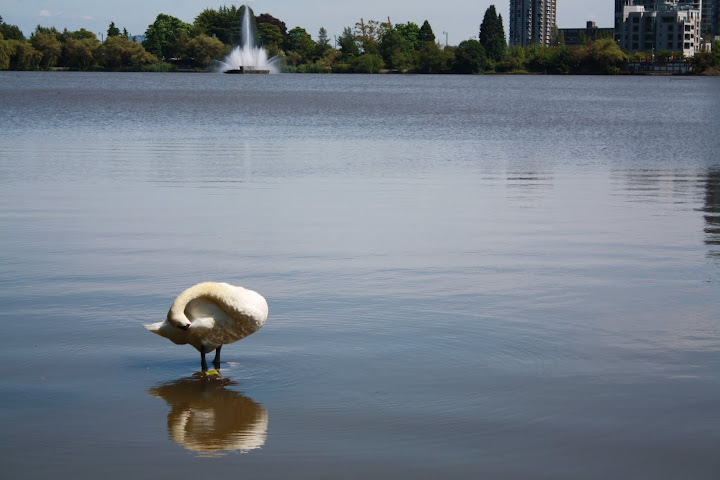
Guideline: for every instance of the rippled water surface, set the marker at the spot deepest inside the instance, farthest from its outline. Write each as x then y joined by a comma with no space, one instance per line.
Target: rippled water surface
468,277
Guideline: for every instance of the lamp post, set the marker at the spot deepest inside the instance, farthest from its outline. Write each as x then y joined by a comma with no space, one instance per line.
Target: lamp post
446,38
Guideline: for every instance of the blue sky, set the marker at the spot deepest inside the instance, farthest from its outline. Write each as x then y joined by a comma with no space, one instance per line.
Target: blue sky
460,18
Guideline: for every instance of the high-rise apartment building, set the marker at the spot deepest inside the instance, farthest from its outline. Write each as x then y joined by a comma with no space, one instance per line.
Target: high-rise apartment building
706,7
671,25
532,21
711,19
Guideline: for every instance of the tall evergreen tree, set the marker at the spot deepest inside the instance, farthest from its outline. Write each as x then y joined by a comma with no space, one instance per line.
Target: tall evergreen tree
492,35
113,31
348,43
501,29
323,43
426,33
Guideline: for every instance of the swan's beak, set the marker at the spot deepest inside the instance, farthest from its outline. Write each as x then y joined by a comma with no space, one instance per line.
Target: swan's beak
185,327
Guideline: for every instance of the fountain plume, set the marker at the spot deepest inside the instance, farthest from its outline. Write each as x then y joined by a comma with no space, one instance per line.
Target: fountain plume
248,55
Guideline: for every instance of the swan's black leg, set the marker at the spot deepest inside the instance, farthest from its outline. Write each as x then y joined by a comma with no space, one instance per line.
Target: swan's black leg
216,361
203,363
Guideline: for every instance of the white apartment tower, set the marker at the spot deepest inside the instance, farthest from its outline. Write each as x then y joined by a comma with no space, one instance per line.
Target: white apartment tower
708,11
532,21
670,25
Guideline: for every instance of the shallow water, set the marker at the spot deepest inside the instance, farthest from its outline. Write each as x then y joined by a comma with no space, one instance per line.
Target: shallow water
507,277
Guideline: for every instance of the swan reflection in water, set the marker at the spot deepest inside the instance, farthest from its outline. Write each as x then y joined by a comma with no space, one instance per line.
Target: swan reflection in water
209,419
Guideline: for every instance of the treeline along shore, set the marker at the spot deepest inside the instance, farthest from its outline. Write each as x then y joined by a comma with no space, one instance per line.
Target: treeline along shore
371,46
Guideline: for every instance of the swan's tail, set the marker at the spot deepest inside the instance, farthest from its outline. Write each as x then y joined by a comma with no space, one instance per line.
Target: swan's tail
164,329
154,327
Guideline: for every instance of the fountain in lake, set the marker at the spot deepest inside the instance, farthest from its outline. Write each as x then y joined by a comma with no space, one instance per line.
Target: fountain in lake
248,57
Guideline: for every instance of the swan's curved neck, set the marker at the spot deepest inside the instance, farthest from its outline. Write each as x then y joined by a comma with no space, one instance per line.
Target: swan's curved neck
211,290
176,315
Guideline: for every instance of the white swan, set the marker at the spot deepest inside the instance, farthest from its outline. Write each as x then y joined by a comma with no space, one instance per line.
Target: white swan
210,315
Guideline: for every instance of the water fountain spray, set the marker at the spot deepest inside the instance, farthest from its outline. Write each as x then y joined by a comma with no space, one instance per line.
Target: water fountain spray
248,57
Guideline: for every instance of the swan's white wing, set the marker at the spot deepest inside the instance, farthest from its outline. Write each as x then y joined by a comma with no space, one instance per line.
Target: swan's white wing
206,312
212,324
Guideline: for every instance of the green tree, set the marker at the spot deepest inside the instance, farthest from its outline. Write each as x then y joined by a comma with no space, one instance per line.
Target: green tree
203,49
50,48
514,61
368,63
369,34
10,32
224,23
434,60
327,62
323,43
301,43
607,56
82,34
292,58
348,44
426,34
561,61
396,50
470,57
707,62
163,37
492,35
539,58
47,30
113,31
411,32
80,54
119,53
22,55
270,37
5,52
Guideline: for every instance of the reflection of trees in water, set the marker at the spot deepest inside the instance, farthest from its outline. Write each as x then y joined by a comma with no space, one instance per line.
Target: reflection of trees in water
209,419
712,212
680,186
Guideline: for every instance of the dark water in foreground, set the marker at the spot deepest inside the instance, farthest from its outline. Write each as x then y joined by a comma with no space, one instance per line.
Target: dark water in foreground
486,277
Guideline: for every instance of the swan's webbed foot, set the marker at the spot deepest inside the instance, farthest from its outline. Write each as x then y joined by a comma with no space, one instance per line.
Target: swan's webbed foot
216,361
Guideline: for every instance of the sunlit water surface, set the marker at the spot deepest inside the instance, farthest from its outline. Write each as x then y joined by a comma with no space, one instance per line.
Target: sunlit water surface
468,277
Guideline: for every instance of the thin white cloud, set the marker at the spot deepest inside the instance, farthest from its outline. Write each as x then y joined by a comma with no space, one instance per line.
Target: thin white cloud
45,13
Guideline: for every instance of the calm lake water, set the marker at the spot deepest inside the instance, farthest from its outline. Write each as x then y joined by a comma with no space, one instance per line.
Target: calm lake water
468,277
